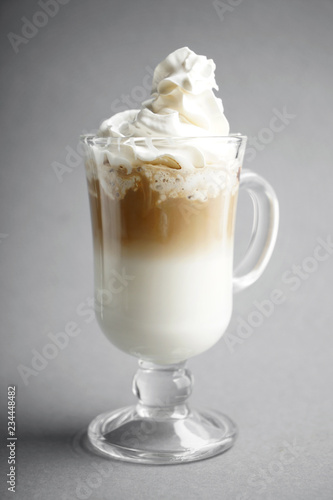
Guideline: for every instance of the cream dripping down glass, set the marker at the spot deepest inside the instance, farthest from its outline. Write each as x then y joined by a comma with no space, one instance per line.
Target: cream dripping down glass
163,183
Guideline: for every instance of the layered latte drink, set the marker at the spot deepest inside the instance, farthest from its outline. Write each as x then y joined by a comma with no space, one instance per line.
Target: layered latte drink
163,184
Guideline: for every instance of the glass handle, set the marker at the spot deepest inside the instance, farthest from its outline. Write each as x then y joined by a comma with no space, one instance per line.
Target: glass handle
264,230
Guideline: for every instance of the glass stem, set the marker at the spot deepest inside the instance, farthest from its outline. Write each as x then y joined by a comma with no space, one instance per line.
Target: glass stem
162,390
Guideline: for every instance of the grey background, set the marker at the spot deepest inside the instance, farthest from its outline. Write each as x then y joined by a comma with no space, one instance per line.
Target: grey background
277,384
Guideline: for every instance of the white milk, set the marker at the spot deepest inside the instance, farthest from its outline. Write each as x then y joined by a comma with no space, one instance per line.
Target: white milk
165,309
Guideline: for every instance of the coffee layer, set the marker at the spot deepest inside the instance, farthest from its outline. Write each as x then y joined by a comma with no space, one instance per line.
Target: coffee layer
161,209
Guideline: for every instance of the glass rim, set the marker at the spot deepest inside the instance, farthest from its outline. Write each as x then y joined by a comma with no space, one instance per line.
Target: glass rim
95,140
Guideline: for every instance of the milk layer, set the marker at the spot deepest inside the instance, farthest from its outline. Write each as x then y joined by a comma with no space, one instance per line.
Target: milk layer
165,309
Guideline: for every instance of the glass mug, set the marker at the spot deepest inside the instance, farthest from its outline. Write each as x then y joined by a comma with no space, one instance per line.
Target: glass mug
163,215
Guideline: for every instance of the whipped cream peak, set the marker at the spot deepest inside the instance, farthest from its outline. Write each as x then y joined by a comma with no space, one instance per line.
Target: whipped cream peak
183,68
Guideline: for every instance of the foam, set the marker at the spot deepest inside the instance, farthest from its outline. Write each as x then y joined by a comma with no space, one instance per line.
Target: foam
167,180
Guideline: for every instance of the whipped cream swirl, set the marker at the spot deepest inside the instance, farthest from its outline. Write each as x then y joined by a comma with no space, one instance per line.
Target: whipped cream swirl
182,105
182,102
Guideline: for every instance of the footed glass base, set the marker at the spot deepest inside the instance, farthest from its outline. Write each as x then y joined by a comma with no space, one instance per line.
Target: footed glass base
161,429
126,435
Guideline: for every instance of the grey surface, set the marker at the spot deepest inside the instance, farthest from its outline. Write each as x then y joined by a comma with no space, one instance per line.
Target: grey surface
277,384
